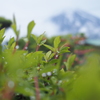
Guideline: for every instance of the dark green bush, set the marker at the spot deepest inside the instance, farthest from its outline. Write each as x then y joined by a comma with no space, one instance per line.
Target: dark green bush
4,23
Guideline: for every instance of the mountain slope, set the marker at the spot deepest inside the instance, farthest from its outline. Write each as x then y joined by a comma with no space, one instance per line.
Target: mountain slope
76,22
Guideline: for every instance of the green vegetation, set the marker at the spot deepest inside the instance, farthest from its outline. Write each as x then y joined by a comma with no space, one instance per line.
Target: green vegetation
4,23
34,68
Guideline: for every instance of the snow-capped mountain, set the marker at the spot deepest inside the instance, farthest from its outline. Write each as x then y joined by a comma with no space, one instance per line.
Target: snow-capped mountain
77,22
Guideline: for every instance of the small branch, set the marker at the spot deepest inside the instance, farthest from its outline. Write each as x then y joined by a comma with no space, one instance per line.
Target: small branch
14,50
36,82
7,93
56,56
26,45
16,44
16,41
37,48
37,88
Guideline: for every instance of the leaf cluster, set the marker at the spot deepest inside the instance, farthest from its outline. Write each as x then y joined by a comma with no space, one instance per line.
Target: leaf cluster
40,75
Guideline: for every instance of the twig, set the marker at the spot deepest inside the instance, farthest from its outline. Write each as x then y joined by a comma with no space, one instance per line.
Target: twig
37,48
37,88
26,45
16,44
36,82
7,93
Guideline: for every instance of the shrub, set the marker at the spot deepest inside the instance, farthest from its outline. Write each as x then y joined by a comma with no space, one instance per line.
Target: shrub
38,75
4,23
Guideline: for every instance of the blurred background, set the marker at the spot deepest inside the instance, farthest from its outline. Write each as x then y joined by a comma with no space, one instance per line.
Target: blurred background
56,17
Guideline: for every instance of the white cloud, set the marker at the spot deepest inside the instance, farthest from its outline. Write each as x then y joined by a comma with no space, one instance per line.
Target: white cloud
41,10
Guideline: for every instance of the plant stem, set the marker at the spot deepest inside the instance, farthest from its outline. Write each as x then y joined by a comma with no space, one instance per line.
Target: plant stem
17,40
16,44
26,45
37,88
37,48
36,82
7,93
56,56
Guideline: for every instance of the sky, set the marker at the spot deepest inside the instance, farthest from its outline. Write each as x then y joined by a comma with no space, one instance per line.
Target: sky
41,11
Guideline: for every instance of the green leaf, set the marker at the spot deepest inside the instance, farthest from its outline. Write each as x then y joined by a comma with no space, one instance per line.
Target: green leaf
34,37
48,68
65,75
64,50
48,54
54,80
2,31
14,19
30,28
14,64
18,31
52,55
11,41
14,27
35,58
40,38
2,35
25,88
70,61
42,42
53,61
13,46
56,42
49,47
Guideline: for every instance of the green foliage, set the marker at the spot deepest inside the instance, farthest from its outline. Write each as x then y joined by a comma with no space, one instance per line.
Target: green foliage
49,47
43,75
56,49
70,61
56,42
11,41
4,23
14,27
39,40
30,28
2,35
86,85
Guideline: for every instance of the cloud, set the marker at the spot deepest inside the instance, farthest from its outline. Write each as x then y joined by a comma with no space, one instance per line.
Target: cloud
41,10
